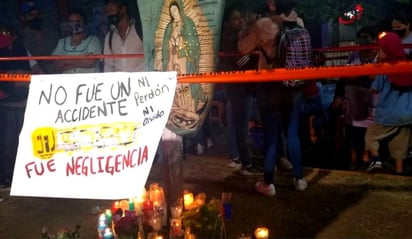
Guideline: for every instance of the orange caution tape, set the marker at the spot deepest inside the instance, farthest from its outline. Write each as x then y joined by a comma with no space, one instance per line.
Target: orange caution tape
307,73
15,77
279,74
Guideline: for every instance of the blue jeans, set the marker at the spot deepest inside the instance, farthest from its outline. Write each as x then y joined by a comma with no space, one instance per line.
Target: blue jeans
240,98
231,133
204,132
274,120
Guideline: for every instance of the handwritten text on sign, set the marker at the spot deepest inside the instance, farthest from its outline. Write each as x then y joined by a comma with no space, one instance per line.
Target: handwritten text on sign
84,135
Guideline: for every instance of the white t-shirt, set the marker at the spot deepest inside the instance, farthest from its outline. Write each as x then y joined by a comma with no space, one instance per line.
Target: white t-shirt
89,46
408,40
132,44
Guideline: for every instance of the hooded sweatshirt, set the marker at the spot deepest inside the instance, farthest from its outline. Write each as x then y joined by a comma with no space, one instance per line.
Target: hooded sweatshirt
393,108
391,45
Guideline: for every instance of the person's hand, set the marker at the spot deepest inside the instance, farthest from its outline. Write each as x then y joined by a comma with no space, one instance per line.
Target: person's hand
64,65
313,136
293,16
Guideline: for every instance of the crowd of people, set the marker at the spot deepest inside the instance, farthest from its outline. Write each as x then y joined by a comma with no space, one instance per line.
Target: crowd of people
376,115
367,124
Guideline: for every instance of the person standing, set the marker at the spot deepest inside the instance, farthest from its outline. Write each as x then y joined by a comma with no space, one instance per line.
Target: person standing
359,102
37,39
279,105
124,37
240,96
13,97
393,115
77,44
402,27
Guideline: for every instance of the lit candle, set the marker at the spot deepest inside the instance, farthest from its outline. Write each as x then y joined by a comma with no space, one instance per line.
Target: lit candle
176,210
262,233
115,206
188,200
138,203
156,223
200,199
175,226
148,205
124,205
156,195
147,210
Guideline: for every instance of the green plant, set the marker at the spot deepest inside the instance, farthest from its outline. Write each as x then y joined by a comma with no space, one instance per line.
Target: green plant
204,220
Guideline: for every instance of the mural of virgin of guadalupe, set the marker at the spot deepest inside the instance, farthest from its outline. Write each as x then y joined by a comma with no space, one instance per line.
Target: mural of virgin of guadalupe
181,53
181,48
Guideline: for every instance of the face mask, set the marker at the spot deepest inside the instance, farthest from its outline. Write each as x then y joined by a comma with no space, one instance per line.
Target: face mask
35,23
401,33
114,19
77,27
5,40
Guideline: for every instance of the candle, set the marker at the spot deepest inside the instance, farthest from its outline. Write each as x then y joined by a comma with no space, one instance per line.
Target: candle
108,234
115,206
131,204
147,210
226,203
176,210
108,214
138,203
148,205
102,217
262,233
124,205
175,226
188,200
156,194
156,223
101,226
200,199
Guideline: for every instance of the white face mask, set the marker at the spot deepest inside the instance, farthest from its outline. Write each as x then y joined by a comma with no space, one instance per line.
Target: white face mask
77,27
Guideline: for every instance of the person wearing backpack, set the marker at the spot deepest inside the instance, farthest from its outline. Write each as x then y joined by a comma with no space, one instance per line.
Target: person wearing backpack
279,102
393,115
124,37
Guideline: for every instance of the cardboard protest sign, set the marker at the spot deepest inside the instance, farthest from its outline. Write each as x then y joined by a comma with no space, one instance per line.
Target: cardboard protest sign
91,135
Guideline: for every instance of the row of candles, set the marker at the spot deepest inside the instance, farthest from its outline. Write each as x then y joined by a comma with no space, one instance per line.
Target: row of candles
151,208
148,208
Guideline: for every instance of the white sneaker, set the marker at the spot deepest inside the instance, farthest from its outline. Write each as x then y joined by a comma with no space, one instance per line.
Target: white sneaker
235,163
374,165
300,184
209,143
284,164
200,149
267,190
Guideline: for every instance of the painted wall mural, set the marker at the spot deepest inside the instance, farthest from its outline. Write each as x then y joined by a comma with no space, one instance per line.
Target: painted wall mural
183,36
